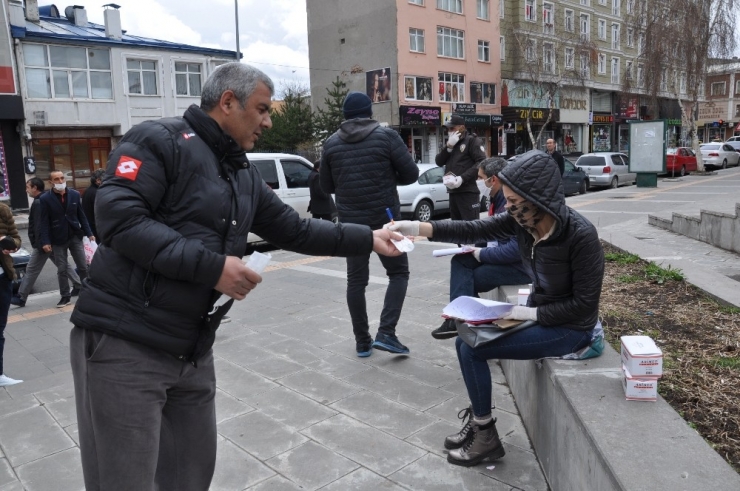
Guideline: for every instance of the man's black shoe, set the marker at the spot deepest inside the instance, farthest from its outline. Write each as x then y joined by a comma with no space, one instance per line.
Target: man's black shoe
16,300
446,331
64,302
75,292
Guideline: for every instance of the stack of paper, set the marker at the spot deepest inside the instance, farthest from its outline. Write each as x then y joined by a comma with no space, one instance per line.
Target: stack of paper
476,310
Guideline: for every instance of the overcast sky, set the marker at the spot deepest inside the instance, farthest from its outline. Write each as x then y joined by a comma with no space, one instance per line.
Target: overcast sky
272,34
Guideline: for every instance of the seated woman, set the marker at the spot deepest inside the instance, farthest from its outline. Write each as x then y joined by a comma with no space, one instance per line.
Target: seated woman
561,251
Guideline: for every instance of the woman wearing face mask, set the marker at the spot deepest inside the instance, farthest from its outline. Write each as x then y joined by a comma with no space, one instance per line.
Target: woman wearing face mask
560,250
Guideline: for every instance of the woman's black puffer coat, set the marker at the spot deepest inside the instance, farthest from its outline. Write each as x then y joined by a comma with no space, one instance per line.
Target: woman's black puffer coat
567,269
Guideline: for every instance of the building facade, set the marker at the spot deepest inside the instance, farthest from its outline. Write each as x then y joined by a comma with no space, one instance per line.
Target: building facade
418,60
719,112
84,85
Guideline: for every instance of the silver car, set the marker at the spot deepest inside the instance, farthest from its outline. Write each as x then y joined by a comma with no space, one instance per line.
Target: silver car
606,169
428,197
718,155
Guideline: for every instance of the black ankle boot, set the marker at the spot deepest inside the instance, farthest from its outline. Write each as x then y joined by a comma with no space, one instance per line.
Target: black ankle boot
482,443
458,439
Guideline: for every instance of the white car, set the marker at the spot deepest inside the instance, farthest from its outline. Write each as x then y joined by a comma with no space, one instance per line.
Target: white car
606,169
287,175
718,155
428,197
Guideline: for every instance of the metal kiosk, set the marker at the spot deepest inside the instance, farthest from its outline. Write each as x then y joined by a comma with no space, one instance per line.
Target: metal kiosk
647,151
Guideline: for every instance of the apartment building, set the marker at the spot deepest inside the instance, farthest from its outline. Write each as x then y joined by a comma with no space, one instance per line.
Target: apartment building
83,85
571,68
719,112
418,60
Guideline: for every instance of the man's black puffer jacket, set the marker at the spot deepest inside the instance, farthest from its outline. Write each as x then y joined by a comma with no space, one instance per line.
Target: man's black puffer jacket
362,164
567,269
169,225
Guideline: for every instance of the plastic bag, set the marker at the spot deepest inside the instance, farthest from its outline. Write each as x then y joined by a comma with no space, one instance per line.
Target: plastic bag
90,247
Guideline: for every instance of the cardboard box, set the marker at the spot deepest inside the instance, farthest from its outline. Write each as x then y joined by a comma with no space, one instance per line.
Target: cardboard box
639,388
523,296
641,356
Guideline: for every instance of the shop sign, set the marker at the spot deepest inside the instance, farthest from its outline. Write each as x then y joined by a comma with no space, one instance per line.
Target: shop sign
628,108
497,120
525,94
573,104
463,108
710,110
535,115
420,116
603,118
673,122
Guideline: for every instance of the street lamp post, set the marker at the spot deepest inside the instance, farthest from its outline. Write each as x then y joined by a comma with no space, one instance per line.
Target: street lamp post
236,17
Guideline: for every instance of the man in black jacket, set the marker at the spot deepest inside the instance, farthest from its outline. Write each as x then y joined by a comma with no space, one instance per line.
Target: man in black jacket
35,188
460,158
88,199
62,224
363,163
179,199
556,156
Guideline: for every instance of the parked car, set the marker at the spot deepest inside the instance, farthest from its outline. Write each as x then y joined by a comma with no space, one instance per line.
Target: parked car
606,169
719,155
428,197
680,160
575,180
287,175
733,139
735,144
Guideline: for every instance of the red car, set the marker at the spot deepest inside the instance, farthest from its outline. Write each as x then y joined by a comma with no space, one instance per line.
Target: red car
680,161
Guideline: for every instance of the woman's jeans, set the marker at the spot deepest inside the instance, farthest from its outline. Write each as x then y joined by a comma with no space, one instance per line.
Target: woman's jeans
529,344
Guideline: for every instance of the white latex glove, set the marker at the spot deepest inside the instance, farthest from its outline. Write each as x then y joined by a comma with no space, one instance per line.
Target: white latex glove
453,138
522,313
457,182
476,253
404,227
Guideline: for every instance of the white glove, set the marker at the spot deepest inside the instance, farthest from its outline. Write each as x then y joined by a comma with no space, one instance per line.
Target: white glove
522,313
452,182
476,253
453,138
404,227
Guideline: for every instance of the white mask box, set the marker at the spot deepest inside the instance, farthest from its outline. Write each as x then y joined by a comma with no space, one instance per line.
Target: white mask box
641,356
638,388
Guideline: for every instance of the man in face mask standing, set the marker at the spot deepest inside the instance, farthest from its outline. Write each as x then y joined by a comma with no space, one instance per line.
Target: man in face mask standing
460,159
62,225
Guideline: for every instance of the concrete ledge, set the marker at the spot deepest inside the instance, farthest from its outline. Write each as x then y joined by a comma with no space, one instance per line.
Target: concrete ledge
588,437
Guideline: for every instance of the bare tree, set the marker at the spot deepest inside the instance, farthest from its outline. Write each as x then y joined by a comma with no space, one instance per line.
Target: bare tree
677,41
554,58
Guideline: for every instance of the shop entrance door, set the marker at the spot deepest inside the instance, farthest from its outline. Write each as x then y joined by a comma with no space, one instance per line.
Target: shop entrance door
418,147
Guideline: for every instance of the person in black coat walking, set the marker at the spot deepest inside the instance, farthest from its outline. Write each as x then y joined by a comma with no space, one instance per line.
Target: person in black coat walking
88,199
556,156
321,204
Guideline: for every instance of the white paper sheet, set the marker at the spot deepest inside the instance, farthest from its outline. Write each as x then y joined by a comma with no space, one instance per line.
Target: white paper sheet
451,251
476,309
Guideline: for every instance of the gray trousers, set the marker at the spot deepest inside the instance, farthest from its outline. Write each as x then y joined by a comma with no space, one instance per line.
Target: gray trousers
75,247
146,420
33,270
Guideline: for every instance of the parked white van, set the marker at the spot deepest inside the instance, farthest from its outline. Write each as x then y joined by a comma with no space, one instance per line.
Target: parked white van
287,175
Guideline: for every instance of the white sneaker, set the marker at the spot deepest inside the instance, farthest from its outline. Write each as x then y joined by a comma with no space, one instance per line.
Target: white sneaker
5,380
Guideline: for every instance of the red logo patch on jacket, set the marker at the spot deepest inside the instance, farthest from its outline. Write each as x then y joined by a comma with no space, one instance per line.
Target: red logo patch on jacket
128,167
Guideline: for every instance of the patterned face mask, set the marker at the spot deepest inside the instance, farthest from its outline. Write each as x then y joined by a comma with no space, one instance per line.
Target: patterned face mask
527,215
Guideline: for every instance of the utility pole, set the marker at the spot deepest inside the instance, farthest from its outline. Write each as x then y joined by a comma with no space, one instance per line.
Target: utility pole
236,17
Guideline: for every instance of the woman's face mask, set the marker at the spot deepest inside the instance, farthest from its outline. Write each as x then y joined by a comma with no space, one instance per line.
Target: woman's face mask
526,214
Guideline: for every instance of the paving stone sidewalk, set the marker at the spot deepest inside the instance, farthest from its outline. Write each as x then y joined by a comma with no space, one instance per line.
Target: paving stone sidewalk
296,408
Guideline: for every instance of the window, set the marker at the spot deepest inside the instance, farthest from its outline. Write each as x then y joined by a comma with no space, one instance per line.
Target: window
602,2
615,36
640,75
67,72
641,43
187,79
737,83
296,173
630,37
602,29
450,42
417,2
142,77
482,93
501,5
585,2
664,80
628,70
416,40
616,5
630,6
450,5
502,48
548,11
718,88
682,82
268,172
569,20
482,10
530,53
418,88
570,61
615,70
548,58
530,10
585,22
484,51
602,64
585,70
452,87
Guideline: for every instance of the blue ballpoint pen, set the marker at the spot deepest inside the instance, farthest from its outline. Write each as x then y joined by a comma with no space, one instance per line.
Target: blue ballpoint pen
390,215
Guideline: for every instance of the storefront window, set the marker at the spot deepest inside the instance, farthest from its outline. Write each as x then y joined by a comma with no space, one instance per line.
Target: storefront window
624,138
77,158
602,138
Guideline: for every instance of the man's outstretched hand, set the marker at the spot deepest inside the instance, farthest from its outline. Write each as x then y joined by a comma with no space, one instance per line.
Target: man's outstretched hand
382,242
237,280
